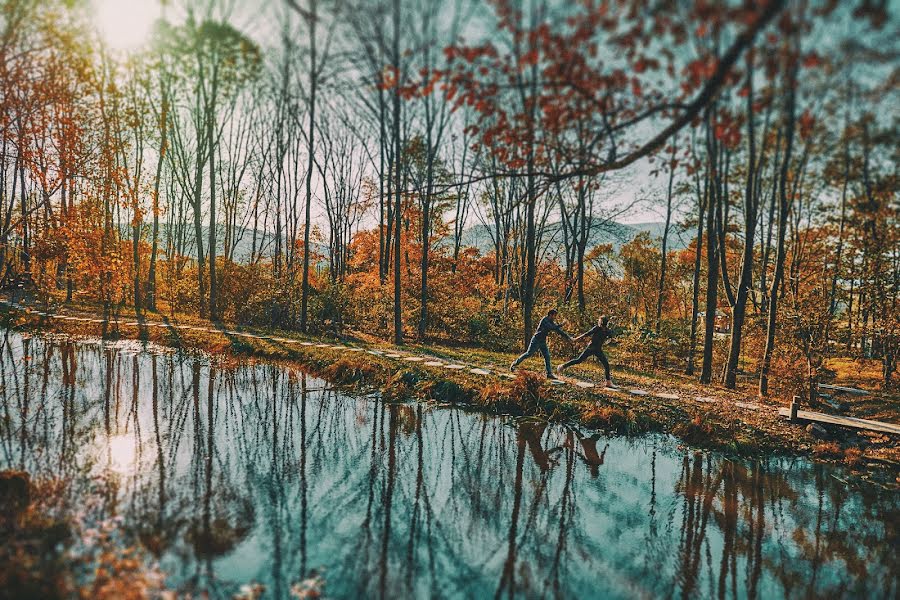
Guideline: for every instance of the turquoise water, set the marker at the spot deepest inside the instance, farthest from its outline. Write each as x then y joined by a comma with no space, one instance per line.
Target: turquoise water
233,474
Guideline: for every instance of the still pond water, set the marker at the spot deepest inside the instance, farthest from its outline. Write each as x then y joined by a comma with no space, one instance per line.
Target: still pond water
231,474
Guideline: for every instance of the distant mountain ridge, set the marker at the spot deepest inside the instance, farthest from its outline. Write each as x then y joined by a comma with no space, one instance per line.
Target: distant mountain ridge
615,233
477,236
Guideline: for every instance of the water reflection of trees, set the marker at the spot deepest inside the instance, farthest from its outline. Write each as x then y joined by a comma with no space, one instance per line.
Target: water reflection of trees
261,473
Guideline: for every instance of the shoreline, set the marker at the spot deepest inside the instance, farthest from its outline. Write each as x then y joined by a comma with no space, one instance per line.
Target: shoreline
734,427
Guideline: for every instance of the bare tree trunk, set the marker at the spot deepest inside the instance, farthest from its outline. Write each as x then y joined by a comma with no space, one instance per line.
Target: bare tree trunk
150,295
382,226
832,297
25,253
712,258
398,316
739,308
211,146
665,238
313,80
703,199
783,208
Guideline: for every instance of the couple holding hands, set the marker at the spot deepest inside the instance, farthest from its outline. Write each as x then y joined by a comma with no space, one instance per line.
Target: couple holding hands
598,335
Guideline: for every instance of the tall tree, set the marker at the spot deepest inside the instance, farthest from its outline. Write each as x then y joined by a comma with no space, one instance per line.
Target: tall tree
789,118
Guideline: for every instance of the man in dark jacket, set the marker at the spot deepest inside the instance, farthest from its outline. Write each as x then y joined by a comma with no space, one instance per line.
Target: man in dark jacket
539,342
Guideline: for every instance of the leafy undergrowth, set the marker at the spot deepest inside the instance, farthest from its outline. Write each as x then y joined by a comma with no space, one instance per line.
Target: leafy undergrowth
721,426
51,553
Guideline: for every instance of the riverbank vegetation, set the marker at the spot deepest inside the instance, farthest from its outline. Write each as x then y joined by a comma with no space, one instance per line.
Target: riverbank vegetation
733,428
443,173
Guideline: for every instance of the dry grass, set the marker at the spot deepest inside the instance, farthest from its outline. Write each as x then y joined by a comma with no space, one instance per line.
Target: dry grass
827,450
348,371
853,457
605,417
695,431
527,394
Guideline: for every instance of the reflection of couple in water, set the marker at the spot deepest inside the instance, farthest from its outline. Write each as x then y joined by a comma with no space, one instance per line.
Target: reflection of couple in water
531,433
538,344
590,456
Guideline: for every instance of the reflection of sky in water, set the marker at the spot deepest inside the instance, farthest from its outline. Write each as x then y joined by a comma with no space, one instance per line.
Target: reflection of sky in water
122,453
409,500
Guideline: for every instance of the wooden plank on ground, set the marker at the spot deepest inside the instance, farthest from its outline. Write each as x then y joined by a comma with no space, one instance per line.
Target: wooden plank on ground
840,388
853,422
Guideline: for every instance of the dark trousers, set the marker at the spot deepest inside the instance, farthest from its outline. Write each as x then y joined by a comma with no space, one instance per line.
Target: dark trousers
533,348
586,354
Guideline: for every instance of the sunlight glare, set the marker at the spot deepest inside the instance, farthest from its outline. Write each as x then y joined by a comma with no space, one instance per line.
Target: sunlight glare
122,453
126,24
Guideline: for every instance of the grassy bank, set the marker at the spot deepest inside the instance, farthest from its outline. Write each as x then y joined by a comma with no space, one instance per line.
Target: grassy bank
733,422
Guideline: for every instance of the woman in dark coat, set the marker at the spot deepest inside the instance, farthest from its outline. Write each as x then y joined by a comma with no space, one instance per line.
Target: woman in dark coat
598,334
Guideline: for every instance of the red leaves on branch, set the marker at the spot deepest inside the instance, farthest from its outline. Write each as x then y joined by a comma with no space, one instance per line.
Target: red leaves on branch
529,58
727,129
469,54
636,87
388,78
547,84
806,123
811,60
697,72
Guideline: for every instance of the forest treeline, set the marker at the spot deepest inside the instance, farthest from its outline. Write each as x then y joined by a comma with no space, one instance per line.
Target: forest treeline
322,172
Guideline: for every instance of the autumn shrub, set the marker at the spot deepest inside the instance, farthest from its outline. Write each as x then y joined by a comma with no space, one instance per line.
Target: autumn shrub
183,292
633,347
443,390
674,341
274,306
328,307
494,396
485,324
527,393
369,305
694,431
238,285
788,370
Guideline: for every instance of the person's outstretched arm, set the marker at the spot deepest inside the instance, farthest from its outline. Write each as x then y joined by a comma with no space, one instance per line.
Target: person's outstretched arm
559,330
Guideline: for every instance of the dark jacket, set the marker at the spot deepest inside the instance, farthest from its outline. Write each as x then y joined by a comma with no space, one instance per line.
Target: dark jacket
598,336
545,327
